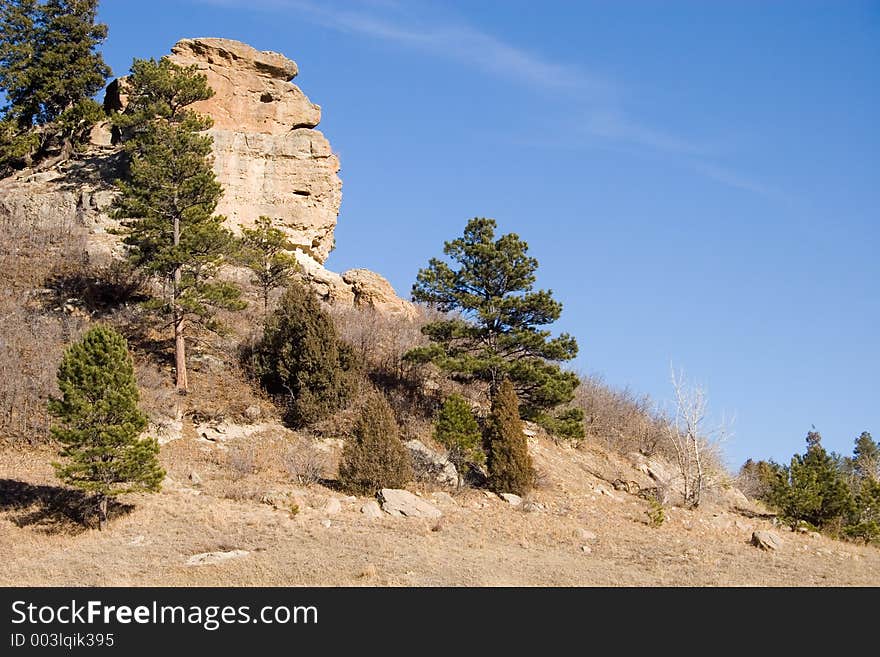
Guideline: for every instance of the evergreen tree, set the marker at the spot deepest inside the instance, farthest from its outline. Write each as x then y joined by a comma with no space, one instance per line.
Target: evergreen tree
49,71
300,357
374,457
168,198
496,334
266,251
457,430
865,523
100,422
813,489
510,466
866,458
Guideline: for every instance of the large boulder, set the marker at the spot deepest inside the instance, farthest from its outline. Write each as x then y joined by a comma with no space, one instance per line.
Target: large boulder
430,465
766,540
398,502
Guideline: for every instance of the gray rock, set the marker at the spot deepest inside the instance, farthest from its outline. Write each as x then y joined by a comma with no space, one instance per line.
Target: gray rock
332,506
586,549
398,502
430,465
510,498
442,497
195,478
766,540
371,509
208,558
587,535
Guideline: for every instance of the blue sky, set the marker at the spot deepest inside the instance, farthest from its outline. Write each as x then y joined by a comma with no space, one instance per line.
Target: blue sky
699,180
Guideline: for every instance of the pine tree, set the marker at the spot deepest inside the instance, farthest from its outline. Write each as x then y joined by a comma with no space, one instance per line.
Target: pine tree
49,71
866,458
100,422
266,251
374,457
865,523
301,358
168,198
457,430
496,335
510,466
812,489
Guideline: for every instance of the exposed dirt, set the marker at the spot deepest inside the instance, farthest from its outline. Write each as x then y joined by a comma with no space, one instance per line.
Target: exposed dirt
479,541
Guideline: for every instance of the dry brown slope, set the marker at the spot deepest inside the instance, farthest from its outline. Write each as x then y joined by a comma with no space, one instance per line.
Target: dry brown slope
479,541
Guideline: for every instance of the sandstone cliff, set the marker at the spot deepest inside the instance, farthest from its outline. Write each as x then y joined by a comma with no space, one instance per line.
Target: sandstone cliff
268,155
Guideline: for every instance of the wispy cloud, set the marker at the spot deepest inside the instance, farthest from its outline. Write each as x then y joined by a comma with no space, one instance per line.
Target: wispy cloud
458,41
738,181
593,97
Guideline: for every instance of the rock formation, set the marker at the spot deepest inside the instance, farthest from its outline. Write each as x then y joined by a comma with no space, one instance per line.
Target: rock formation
268,156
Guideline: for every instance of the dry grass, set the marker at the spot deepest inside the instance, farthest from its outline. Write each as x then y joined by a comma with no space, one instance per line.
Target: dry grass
479,541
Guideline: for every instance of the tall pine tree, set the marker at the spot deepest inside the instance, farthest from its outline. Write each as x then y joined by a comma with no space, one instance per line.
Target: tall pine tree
49,71
169,196
496,334
100,423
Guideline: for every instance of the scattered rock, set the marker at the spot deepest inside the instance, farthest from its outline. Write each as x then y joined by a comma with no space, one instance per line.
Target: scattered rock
371,509
814,535
442,497
766,540
374,291
208,558
532,507
735,497
137,540
743,526
510,498
602,490
195,478
490,495
253,412
101,134
398,502
332,506
587,535
326,523
586,549
430,465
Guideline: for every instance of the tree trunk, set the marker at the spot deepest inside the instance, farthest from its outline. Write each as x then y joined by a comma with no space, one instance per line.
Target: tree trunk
102,511
179,339
180,354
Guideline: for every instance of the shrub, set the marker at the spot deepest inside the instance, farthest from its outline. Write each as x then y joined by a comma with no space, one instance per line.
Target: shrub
100,422
456,429
510,466
567,424
374,458
301,358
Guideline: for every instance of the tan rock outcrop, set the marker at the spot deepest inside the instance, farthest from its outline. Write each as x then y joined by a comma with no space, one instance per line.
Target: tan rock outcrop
267,154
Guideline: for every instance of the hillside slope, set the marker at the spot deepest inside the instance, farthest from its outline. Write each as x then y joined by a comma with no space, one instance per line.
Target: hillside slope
234,495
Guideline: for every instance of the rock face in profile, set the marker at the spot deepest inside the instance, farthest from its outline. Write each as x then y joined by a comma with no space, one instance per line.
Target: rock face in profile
268,155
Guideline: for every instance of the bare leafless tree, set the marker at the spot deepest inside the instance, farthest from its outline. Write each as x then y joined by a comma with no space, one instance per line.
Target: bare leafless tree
692,440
